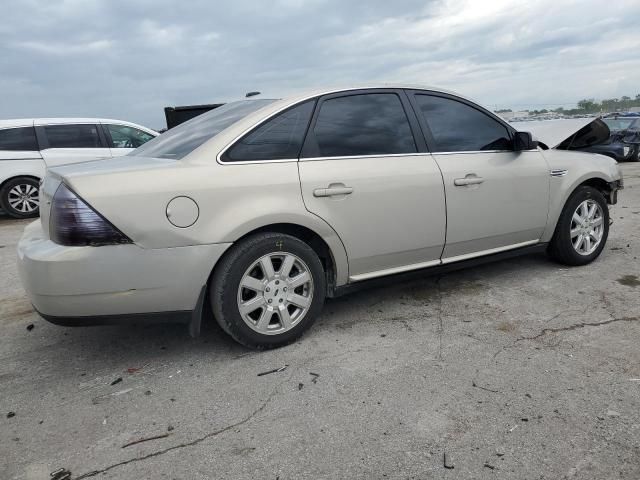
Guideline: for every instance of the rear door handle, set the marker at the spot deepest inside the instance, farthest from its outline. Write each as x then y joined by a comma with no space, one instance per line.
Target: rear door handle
331,191
470,179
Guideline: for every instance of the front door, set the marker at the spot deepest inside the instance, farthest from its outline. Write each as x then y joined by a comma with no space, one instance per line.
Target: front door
497,198
362,172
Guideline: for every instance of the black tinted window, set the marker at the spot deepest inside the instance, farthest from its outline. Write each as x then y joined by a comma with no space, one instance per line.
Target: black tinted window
23,138
369,124
73,136
186,137
457,127
279,138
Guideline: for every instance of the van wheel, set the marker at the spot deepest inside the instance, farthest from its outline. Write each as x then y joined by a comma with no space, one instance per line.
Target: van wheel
267,290
19,197
582,229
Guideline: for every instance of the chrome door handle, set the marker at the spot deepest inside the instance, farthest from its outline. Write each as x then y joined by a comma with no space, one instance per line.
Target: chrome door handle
331,191
471,179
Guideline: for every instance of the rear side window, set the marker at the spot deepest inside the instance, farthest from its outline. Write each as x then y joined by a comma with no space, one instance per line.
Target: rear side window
23,138
123,136
458,127
366,124
279,138
186,137
73,136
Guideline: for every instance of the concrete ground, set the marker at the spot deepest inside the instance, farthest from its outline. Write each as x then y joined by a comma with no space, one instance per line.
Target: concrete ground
521,369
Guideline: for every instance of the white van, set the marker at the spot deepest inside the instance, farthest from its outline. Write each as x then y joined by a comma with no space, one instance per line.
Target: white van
29,146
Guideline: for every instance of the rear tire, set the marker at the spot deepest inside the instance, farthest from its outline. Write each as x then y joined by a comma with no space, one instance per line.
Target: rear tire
582,229
267,290
19,197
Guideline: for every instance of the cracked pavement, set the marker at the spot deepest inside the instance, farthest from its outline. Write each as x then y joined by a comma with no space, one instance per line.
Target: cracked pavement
519,369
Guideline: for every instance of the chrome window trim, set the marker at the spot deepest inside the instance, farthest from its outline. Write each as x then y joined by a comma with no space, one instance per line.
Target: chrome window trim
472,152
380,155
330,92
249,162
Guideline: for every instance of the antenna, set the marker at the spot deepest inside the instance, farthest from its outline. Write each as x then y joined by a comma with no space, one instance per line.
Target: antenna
252,94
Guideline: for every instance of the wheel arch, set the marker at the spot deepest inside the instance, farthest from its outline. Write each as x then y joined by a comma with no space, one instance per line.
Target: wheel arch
13,177
590,180
599,184
332,255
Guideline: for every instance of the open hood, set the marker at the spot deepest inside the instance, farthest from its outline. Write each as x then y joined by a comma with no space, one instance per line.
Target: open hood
567,134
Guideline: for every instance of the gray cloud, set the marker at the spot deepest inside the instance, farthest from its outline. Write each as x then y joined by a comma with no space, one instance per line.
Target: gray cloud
128,59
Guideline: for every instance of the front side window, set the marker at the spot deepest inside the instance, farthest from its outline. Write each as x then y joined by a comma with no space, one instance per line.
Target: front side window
279,138
458,127
179,141
23,138
123,136
365,124
73,136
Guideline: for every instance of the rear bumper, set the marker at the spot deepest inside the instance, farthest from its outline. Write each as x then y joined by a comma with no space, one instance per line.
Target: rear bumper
110,284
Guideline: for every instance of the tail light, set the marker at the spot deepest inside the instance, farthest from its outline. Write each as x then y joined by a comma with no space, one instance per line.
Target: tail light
74,223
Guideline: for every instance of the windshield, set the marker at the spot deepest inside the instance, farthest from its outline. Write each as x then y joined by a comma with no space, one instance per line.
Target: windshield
185,138
619,123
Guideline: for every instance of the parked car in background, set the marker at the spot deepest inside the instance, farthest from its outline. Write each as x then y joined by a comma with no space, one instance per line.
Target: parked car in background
177,115
265,207
623,143
29,146
589,135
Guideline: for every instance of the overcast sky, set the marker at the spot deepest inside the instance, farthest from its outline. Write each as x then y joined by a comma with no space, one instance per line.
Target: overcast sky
128,59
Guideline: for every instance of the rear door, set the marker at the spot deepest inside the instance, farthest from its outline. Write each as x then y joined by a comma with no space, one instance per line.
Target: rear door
497,198
72,143
19,143
123,139
19,153
365,171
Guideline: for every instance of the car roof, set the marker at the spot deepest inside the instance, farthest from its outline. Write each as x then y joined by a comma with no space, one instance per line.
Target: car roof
310,93
27,122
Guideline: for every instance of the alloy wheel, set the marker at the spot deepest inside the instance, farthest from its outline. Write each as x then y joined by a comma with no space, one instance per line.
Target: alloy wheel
23,198
275,293
587,227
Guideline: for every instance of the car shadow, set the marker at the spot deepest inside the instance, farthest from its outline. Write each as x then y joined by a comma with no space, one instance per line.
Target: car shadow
137,344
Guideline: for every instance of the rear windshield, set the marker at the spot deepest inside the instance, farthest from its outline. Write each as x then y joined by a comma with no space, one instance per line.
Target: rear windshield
186,137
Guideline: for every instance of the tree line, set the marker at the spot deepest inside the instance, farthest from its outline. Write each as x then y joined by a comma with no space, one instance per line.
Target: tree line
590,105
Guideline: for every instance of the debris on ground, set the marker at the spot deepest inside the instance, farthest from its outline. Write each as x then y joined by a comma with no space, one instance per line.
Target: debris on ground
60,474
447,462
300,386
116,381
170,428
315,377
474,384
148,392
147,439
30,327
275,370
500,452
11,414
489,466
132,370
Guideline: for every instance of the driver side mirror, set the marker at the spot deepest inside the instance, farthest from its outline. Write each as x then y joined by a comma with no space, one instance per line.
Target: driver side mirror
524,141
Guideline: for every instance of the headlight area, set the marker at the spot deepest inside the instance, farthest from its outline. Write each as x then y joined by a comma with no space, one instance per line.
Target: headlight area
74,223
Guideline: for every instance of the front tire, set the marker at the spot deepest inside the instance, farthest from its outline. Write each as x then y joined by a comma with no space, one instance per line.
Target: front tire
267,290
582,229
19,197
